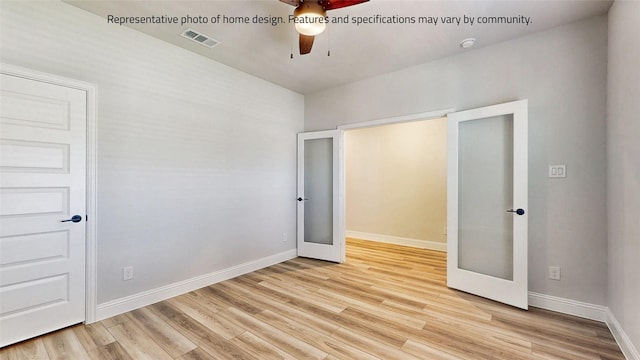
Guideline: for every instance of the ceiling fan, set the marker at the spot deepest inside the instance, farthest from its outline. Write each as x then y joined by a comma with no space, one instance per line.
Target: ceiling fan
310,18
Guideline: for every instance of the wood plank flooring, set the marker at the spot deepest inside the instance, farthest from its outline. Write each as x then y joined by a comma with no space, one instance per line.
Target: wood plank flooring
385,302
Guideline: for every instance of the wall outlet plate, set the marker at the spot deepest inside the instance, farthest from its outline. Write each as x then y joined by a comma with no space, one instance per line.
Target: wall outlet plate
127,273
554,272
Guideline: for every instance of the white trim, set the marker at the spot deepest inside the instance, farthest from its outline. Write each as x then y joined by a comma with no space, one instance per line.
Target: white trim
91,275
136,301
568,306
342,203
416,243
398,119
91,206
628,349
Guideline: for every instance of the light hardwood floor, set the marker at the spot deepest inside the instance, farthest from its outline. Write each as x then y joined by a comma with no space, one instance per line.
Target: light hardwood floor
385,302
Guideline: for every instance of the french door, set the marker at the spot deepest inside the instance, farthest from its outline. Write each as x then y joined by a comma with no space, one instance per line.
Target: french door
320,196
487,202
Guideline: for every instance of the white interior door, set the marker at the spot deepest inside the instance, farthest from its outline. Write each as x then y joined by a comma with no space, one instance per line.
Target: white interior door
42,184
320,199
487,202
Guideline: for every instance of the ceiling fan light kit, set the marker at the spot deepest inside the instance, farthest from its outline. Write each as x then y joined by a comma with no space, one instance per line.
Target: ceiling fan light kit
310,18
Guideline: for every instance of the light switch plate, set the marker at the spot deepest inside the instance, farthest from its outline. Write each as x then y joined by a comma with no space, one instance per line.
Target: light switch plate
558,171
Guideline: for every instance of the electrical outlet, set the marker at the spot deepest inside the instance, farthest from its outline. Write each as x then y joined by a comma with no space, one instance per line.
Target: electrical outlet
554,272
127,273
284,237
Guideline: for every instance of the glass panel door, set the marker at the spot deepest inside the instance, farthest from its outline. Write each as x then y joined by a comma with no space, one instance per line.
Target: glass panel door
318,191
320,199
485,188
487,202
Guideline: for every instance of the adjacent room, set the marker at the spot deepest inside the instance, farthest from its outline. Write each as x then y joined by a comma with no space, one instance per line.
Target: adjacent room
396,183
397,180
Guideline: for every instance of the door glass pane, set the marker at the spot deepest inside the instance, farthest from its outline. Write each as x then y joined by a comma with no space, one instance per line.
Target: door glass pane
485,165
318,190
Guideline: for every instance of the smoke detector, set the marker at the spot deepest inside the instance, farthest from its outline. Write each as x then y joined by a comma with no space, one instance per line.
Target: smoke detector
467,43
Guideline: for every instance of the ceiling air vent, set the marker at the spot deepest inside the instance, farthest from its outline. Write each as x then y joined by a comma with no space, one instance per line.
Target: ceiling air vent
200,38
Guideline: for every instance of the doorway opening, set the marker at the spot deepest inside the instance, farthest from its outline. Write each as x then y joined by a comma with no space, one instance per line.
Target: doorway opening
396,183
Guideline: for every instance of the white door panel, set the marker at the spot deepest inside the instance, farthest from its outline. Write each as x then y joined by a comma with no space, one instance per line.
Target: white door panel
43,177
320,199
51,245
487,184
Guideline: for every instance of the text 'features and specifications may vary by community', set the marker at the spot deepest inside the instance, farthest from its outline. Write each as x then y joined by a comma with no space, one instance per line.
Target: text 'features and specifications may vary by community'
378,19
440,20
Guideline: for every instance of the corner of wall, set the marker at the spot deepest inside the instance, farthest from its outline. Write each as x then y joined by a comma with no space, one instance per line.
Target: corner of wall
628,349
623,166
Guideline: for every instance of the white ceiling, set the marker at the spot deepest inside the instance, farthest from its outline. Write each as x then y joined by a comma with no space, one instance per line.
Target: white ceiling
357,52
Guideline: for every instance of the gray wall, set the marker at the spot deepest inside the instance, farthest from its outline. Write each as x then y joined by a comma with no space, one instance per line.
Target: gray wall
196,161
563,74
623,156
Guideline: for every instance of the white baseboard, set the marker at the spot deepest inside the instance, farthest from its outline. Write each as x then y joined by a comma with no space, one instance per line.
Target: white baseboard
422,244
627,347
568,306
588,311
136,301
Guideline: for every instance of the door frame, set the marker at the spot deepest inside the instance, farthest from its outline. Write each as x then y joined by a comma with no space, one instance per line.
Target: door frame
91,173
424,116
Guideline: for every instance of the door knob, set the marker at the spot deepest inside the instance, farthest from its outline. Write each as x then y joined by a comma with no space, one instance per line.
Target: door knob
301,199
518,211
74,218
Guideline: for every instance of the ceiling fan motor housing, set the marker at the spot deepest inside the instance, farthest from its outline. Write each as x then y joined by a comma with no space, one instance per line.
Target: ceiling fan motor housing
313,7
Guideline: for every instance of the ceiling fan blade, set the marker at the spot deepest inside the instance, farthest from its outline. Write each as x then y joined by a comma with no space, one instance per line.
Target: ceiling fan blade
291,2
306,42
337,4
